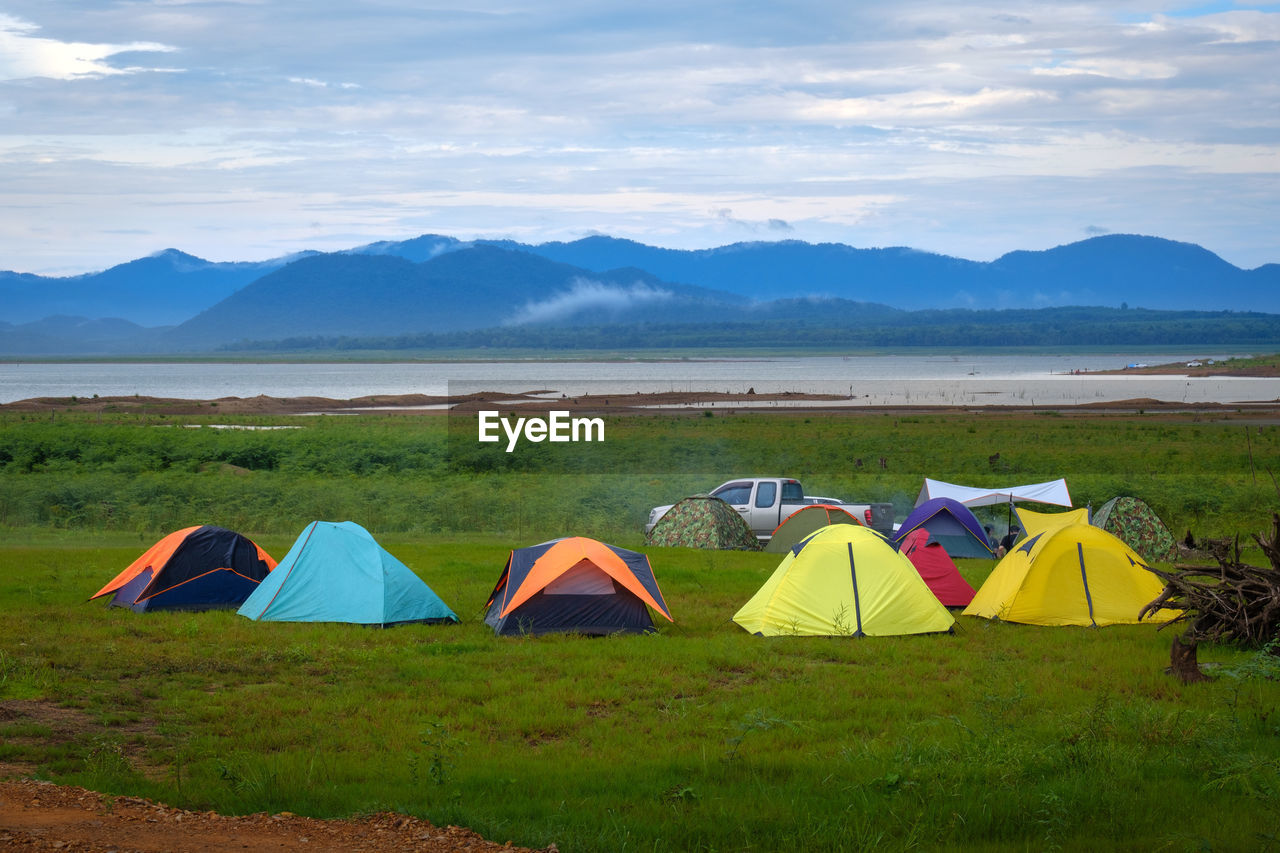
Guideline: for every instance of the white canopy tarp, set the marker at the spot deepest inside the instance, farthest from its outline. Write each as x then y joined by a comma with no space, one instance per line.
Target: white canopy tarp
1053,492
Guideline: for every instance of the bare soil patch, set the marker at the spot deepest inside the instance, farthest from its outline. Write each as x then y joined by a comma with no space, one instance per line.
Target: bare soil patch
36,815
59,724
43,816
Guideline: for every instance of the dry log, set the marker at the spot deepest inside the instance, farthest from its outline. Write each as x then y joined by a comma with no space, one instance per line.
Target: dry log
1228,603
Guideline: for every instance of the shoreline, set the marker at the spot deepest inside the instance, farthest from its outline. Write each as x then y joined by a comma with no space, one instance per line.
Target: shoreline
693,403
662,355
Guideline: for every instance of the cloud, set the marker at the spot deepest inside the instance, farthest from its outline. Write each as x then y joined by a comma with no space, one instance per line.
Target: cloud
725,215
916,106
971,128
23,55
1096,230
322,84
1116,68
1239,26
589,296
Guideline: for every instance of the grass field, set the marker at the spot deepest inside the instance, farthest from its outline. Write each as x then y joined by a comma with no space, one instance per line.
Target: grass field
699,737
1212,473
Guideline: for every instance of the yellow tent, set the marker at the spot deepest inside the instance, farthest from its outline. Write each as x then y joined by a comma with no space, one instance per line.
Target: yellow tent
1041,522
1073,574
844,580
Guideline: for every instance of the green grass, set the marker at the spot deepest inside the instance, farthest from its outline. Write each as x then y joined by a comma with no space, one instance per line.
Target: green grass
1213,475
700,737
697,738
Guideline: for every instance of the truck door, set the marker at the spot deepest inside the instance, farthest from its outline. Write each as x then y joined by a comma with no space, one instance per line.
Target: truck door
738,496
765,508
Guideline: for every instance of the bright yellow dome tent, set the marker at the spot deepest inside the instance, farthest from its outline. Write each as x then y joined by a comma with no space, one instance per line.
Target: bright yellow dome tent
1068,574
844,580
1042,522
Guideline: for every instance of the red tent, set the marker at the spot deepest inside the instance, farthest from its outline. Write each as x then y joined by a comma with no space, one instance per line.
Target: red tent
934,565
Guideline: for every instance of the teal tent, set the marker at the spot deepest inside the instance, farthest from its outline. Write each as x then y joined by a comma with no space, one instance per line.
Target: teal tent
337,572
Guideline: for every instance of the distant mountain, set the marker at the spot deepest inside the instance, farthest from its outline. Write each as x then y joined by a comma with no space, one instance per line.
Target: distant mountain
384,294
1106,271
434,283
76,336
1140,271
418,249
790,268
165,288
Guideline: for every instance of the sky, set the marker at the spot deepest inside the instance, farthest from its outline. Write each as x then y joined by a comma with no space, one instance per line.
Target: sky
252,129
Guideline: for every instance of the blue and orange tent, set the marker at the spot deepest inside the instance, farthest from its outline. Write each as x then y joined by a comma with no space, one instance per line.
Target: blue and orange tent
195,568
575,585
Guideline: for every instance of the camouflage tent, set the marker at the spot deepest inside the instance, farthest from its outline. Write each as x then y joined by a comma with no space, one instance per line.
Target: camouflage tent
1131,520
703,521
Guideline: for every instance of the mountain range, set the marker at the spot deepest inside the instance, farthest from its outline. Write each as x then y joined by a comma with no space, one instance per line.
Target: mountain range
172,301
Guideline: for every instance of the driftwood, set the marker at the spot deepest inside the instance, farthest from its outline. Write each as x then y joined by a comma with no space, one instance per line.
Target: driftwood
1230,603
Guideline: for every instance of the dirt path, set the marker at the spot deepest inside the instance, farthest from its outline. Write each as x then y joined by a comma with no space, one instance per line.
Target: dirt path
44,816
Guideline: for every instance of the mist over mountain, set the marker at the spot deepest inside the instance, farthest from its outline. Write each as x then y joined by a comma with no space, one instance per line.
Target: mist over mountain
464,288
790,268
1109,271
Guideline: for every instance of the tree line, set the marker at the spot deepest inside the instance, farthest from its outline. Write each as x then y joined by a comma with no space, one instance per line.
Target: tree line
1070,326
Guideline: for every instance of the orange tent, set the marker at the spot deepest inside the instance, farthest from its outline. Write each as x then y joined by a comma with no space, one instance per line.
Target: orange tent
196,568
806,520
575,585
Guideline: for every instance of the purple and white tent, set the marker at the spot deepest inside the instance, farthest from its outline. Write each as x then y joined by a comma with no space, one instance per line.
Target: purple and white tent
951,525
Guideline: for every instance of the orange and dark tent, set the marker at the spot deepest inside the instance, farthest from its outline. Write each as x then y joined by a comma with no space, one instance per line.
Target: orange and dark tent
575,586
196,568
806,520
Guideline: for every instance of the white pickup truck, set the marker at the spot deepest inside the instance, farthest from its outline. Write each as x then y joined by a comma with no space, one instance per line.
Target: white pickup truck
764,502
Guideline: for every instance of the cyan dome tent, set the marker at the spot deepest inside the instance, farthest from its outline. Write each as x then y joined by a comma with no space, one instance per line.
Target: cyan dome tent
195,568
1071,574
575,585
950,524
844,580
703,521
1137,524
337,572
806,520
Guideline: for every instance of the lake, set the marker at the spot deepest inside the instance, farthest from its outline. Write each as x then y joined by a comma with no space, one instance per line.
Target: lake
862,380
